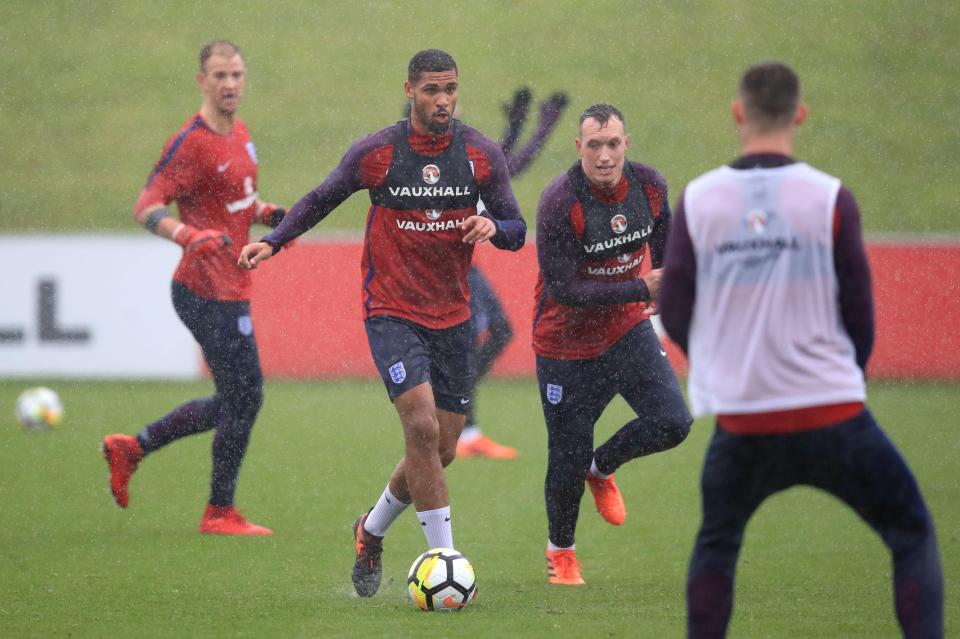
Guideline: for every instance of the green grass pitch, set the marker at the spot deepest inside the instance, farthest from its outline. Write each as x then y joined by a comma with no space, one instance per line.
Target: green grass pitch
73,564
91,90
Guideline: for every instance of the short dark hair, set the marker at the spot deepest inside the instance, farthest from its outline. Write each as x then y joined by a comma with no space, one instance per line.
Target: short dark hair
602,114
429,61
218,47
770,92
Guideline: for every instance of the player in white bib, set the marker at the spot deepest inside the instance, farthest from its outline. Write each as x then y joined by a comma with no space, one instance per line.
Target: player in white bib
767,289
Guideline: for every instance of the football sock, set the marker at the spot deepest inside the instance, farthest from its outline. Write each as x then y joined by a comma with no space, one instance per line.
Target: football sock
554,548
436,527
387,509
596,471
470,433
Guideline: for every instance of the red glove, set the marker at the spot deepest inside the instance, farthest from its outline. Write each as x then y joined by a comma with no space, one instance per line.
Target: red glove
201,242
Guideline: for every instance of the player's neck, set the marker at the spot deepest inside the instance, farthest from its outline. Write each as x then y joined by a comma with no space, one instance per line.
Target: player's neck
780,142
220,122
422,129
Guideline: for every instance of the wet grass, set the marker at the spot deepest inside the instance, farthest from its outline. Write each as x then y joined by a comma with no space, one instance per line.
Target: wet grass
73,564
92,90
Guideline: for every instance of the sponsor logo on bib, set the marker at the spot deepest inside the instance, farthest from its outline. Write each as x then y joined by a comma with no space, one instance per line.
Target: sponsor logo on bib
431,174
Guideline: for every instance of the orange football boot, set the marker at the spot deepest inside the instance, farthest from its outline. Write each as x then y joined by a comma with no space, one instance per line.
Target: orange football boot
123,454
608,499
483,446
563,568
225,520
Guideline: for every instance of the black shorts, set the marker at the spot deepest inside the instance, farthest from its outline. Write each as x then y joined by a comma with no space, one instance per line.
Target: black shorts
407,355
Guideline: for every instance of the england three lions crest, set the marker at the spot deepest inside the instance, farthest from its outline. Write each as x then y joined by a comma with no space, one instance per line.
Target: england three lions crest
554,393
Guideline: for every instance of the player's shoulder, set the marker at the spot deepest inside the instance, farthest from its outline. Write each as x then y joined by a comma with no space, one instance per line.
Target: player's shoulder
649,175
372,141
474,138
560,193
185,138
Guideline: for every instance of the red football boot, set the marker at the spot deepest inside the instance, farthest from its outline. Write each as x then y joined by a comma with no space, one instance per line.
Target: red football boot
123,454
563,568
608,499
483,446
225,520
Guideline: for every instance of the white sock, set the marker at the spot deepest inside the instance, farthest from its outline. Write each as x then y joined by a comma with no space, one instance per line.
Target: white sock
436,527
470,432
553,548
596,471
388,508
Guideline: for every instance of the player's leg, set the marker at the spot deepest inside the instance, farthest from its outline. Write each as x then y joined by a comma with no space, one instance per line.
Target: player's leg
124,452
638,367
235,366
492,333
870,475
407,357
739,472
573,397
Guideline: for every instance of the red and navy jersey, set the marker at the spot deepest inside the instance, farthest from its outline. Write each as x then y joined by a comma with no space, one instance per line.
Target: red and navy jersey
213,179
593,248
414,261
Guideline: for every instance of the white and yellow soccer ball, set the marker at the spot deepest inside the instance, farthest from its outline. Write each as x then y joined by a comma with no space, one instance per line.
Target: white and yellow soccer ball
39,409
442,580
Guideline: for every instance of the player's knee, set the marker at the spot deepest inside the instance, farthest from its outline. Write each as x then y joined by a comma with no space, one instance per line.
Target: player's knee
678,429
421,430
447,455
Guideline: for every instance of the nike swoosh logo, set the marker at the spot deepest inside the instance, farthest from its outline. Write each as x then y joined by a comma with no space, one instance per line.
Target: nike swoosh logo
448,602
389,501
663,352
464,400
446,519
223,167
423,523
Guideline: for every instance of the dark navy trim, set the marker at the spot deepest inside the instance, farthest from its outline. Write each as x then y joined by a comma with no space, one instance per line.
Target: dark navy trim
366,281
165,160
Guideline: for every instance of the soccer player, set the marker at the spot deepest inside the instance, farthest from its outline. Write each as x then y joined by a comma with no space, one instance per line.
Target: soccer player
601,230
210,168
492,328
767,289
424,175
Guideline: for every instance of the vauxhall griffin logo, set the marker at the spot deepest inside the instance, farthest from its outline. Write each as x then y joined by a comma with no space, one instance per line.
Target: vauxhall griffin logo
618,223
756,221
431,174
432,214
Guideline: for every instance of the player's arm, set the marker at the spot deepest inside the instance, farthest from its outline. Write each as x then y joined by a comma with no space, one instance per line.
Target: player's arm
309,210
855,293
655,186
678,289
550,112
509,230
558,254
152,212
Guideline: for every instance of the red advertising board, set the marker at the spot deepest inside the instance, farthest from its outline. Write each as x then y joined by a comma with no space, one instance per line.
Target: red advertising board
307,310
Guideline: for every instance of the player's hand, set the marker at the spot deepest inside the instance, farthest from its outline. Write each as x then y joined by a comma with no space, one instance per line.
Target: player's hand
652,280
477,229
253,254
201,242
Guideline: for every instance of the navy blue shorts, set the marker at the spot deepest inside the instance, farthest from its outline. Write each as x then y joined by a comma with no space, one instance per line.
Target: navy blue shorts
407,355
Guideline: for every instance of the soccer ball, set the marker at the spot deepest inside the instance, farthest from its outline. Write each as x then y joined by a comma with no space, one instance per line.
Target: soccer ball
443,580
39,409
